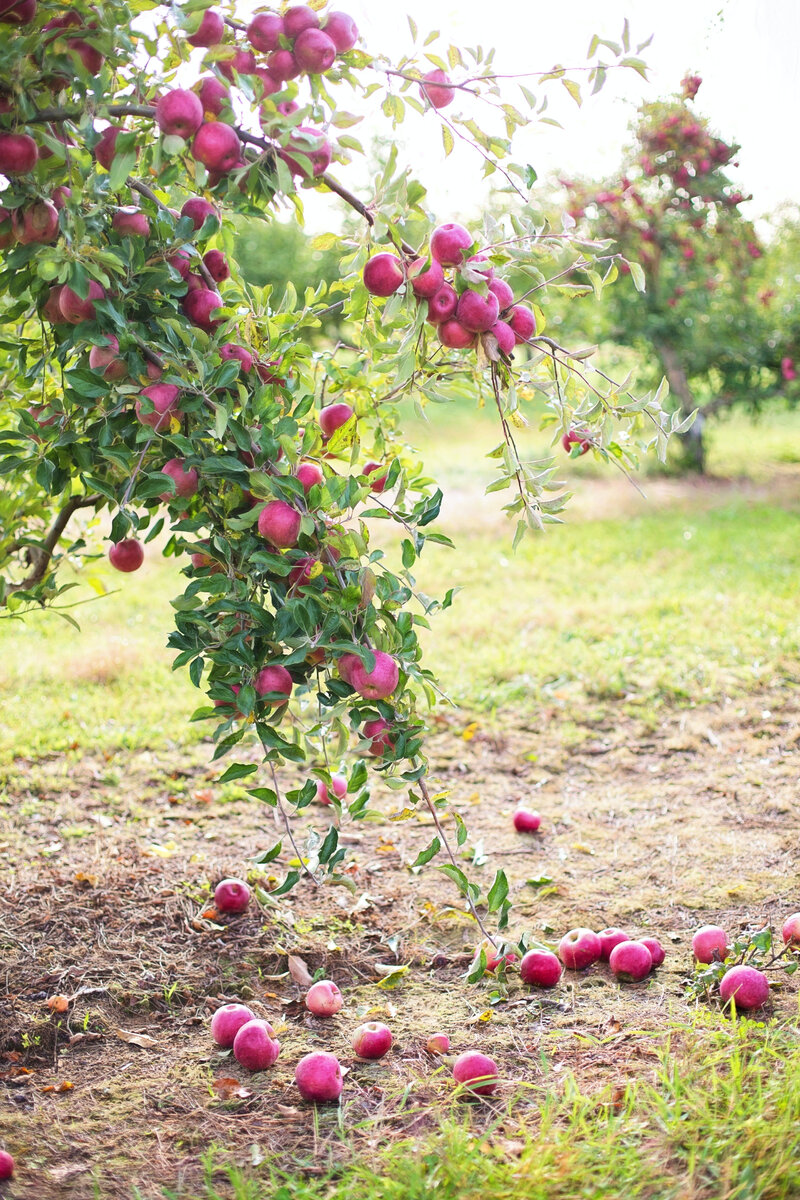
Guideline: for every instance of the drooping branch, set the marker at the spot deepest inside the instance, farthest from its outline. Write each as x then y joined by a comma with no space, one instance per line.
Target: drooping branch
41,555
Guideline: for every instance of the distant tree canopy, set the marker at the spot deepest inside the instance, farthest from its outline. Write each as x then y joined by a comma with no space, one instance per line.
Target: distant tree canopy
720,315
274,253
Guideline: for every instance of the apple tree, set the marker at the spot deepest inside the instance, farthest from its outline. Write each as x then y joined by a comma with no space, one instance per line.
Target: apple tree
674,209
145,379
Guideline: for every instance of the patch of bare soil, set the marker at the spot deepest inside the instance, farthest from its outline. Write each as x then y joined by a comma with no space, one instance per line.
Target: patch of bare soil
106,867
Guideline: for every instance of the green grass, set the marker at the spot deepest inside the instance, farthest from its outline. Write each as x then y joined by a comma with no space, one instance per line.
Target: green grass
718,1122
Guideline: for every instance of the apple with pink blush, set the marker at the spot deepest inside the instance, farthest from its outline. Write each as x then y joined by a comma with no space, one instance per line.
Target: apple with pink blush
526,820
745,986
540,968
609,938
710,944
255,1046
476,1072
231,896
630,961
338,787
438,1043
319,1077
373,1039
324,999
579,948
227,1021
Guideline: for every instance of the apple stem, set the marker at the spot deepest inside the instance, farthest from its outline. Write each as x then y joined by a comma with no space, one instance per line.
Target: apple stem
443,839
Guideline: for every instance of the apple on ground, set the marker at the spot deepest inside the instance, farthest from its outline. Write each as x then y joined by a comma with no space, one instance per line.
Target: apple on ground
657,952
255,1046
319,1077
747,987
6,1165
438,1043
323,998
710,944
231,896
791,930
609,938
579,948
493,959
127,555
477,1072
373,1039
526,821
540,968
630,961
227,1021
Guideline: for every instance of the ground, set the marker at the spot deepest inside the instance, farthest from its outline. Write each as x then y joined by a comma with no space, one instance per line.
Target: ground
635,686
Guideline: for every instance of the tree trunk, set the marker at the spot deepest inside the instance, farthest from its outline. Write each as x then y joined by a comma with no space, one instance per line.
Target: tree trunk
694,451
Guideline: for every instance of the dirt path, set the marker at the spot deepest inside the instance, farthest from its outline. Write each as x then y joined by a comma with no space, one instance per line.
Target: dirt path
105,866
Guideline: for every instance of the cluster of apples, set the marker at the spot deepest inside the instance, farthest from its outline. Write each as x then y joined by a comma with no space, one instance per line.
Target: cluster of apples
630,960
461,313
745,985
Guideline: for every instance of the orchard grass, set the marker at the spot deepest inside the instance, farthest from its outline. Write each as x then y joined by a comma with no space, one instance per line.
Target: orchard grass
717,1121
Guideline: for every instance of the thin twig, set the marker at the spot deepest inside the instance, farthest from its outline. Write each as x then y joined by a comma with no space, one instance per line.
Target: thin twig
289,833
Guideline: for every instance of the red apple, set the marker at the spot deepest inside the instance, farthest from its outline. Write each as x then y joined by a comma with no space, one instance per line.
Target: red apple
217,146
710,944
231,896
164,398
179,113
609,938
126,555
338,785
314,51
630,961
378,683
656,950
383,274
227,1021
255,1047
540,968
313,145
273,681
60,196
74,309
504,336
523,322
242,63
332,417
199,304
319,1077
231,350
279,523
345,665
37,223
106,359
791,930
453,335
747,987
426,277
576,437
448,243
380,735
310,475
106,149
264,32
89,55
504,294
323,998
579,948
185,479
7,234
51,309
282,66
377,483
373,1039
477,1072
131,222
438,1043
6,1161
342,30
18,153
197,210
493,959
297,19
217,265
436,89
213,94
16,12
442,306
475,312
210,31
526,821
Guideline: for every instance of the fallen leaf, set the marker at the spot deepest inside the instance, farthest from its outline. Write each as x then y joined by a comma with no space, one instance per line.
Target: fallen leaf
64,1086
77,1038
58,1004
137,1039
299,971
82,877
229,1088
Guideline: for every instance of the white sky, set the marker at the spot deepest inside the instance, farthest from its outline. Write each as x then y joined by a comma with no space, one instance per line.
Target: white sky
747,51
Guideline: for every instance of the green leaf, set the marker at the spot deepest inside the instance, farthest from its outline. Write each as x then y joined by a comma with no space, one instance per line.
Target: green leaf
238,771
427,854
637,275
498,891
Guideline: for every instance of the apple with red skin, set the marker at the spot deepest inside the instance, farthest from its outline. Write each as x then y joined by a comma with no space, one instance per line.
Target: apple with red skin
319,1077
579,948
297,19
383,274
373,1039
199,304
106,359
181,261
231,350
710,944
16,12
346,664
540,968
131,222
6,1160
7,234
338,786
332,417
453,335
791,930
438,1043
185,479
436,89
493,960
380,682
213,94
282,66
91,58
217,265
323,998
271,681
448,243
313,145
18,154
106,149
609,938
164,398
504,294
526,821
631,961
380,735
504,336
265,31
377,483
747,987
477,313
426,277
477,1072
523,322
310,475
231,896
227,1021
198,210
38,223
255,1047
342,30
279,523
576,437
179,113
210,31
127,555
442,306
51,309
74,309
242,63
314,51
657,952
217,146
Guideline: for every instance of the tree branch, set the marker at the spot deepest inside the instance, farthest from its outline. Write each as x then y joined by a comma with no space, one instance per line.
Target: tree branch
42,555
